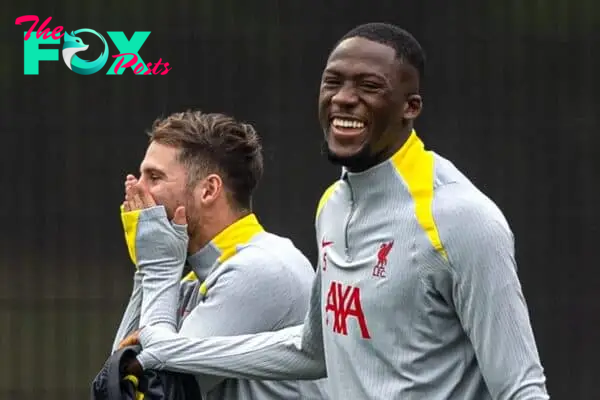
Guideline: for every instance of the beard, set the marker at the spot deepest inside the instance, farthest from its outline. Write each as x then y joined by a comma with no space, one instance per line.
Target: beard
369,154
191,212
192,222
359,161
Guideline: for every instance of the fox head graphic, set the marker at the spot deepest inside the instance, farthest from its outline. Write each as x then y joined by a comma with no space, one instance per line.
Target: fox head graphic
72,45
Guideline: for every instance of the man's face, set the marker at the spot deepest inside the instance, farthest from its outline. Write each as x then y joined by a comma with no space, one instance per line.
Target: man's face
362,101
166,178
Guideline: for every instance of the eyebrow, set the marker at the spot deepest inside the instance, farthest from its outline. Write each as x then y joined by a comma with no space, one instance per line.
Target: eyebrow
151,170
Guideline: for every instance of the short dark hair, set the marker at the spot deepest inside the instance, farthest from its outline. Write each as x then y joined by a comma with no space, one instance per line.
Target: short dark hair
407,48
215,143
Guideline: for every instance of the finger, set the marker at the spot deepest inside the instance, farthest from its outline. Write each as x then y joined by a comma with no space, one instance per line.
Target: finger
126,206
128,194
130,180
133,337
130,198
135,201
130,340
129,183
138,202
179,217
145,196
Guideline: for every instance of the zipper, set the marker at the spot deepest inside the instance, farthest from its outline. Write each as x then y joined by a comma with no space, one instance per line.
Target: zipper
350,214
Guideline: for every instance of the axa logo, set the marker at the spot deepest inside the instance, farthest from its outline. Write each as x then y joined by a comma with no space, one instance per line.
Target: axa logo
382,259
128,56
343,302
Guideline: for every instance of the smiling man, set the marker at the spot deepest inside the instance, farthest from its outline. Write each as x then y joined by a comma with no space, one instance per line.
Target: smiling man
416,295
201,171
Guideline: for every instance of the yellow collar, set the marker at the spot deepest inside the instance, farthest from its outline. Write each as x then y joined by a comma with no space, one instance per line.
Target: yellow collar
223,246
409,155
238,233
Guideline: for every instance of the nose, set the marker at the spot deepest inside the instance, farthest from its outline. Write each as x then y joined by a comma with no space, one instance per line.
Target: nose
345,96
144,182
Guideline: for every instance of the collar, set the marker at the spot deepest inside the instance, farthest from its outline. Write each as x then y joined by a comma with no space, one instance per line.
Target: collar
416,168
405,159
223,246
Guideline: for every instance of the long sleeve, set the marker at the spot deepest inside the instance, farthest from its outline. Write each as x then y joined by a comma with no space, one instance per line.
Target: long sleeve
489,301
237,304
161,253
131,317
291,353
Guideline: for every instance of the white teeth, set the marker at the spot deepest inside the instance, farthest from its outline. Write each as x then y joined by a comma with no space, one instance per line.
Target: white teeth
347,123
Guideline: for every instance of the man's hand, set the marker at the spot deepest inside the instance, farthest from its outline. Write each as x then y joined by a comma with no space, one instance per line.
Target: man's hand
148,232
159,248
132,367
129,216
131,340
137,197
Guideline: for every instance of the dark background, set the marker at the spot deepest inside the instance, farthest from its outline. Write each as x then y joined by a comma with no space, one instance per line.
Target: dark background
511,97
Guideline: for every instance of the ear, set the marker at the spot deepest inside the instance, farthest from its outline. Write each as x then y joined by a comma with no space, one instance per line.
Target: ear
413,106
210,189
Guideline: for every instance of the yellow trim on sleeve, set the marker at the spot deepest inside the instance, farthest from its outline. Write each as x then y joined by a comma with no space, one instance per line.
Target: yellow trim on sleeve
129,219
416,167
326,195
